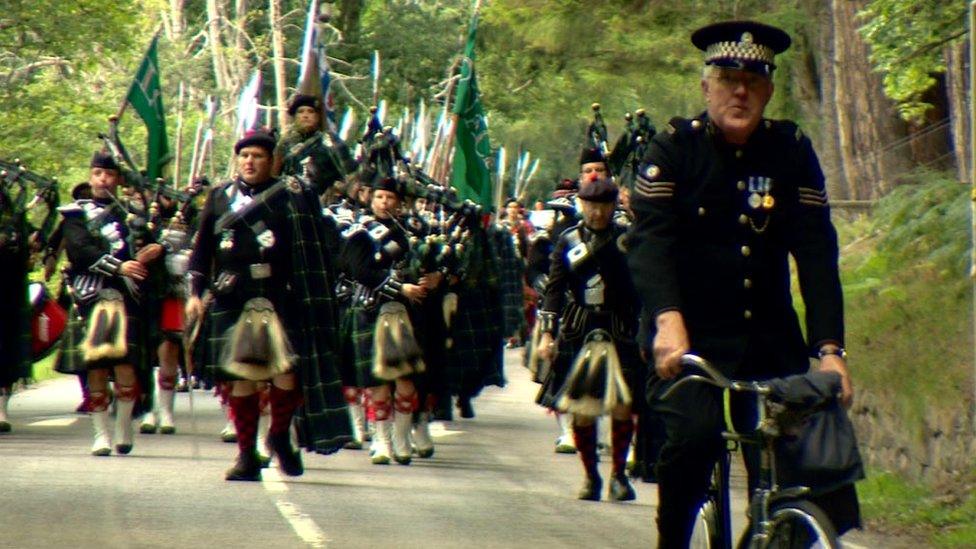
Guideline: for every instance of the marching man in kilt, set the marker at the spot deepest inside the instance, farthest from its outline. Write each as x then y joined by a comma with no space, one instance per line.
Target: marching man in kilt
259,258
589,322
375,258
109,255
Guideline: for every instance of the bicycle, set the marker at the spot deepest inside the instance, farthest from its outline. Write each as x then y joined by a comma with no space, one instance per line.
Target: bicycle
779,517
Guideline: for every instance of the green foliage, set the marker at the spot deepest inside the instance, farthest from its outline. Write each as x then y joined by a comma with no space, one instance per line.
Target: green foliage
907,39
543,63
908,300
904,506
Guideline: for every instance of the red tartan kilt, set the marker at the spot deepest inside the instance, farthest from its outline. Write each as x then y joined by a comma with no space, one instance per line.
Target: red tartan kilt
171,315
48,321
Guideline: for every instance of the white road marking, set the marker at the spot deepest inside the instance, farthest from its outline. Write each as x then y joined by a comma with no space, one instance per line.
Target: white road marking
55,422
272,481
303,524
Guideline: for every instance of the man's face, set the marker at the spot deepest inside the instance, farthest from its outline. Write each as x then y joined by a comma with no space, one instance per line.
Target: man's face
591,171
384,203
307,119
103,181
736,100
254,165
597,215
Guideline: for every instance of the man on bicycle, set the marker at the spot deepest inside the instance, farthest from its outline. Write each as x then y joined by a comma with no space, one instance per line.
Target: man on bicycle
721,202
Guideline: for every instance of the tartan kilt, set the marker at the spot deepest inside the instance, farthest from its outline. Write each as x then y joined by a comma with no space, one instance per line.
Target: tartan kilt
362,325
72,361
634,369
476,333
218,325
346,352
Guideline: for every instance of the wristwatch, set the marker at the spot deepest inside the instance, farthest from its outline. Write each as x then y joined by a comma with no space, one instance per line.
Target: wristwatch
838,351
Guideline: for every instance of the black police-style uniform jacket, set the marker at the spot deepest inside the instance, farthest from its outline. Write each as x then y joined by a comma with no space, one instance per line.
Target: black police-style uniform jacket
715,226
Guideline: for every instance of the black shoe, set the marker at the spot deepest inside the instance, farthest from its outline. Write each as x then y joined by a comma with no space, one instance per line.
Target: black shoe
591,489
247,467
353,445
620,489
123,449
5,427
289,461
464,405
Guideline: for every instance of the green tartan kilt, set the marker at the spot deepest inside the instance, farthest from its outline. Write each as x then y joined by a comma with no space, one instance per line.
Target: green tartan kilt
72,361
362,325
347,352
476,333
218,325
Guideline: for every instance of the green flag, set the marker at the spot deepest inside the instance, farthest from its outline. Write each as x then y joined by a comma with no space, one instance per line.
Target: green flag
146,97
471,149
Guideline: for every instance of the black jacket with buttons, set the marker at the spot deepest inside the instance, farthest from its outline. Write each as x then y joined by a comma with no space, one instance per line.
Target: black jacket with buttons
715,227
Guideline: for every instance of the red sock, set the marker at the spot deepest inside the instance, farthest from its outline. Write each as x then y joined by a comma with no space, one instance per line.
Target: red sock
382,409
405,404
622,431
127,393
585,437
98,401
283,405
246,412
166,383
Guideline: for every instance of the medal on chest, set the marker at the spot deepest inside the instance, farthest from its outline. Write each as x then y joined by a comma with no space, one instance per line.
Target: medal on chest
759,193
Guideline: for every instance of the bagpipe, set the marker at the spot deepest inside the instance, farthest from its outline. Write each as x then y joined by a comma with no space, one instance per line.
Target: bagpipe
631,147
22,191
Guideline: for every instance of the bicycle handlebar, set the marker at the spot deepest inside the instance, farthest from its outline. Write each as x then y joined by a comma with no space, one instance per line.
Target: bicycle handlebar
713,377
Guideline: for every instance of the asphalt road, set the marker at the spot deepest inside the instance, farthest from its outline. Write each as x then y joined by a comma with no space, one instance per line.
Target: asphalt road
494,481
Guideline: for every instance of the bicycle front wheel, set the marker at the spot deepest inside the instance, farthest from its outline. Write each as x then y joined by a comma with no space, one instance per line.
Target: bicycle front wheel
707,530
800,525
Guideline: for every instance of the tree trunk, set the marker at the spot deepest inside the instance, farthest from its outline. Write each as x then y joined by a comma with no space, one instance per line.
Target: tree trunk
221,75
866,121
278,50
176,19
242,64
350,12
957,86
815,92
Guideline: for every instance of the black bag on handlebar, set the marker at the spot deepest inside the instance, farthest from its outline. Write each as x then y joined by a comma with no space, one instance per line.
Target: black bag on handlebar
817,447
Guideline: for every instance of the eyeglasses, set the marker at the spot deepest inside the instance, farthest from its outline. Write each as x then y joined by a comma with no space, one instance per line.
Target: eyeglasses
733,79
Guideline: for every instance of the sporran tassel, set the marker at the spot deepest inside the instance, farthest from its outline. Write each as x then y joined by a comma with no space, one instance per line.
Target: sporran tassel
258,348
105,337
396,351
595,384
